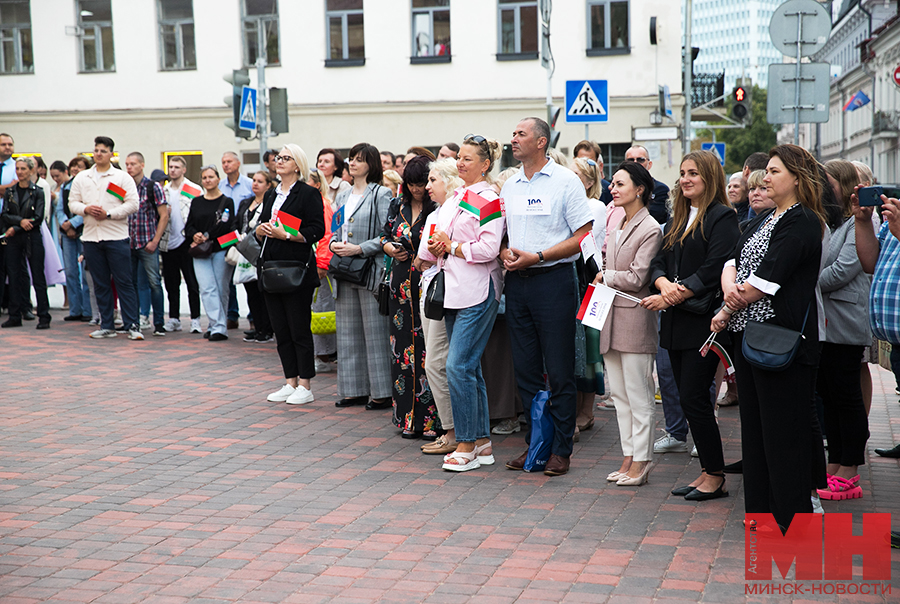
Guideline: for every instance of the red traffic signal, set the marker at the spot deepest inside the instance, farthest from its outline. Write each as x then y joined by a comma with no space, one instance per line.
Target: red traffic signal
740,104
739,94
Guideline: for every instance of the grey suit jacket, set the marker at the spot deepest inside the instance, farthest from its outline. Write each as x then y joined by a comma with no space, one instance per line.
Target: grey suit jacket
845,290
366,222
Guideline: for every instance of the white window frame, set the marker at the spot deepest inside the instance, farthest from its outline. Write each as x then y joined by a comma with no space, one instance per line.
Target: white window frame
607,49
429,11
254,22
14,32
345,60
517,25
93,31
179,39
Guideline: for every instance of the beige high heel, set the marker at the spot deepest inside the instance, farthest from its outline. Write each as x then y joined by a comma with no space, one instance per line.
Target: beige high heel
628,481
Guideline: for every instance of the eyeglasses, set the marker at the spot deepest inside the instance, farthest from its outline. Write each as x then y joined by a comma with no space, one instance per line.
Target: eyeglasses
282,158
476,138
640,160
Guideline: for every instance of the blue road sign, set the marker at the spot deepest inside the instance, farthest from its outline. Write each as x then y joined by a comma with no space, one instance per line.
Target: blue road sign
248,108
718,150
587,101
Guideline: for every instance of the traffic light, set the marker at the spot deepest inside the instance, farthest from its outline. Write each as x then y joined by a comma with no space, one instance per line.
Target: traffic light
238,78
741,109
552,115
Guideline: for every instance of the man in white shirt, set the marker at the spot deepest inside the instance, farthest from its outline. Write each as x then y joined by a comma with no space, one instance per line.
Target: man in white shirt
106,196
238,187
176,262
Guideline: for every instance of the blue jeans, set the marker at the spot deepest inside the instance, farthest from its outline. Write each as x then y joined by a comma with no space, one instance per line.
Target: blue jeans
676,425
540,312
143,292
76,284
468,330
110,260
234,313
214,278
150,263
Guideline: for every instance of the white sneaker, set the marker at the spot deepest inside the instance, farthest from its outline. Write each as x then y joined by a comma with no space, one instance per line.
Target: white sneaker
694,452
195,326
145,323
817,505
103,333
134,333
282,395
322,366
669,444
300,396
173,325
94,321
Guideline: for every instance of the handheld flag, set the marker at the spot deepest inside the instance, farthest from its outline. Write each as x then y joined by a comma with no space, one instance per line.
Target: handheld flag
190,191
228,239
116,191
856,101
596,307
337,219
484,210
719,351
290,223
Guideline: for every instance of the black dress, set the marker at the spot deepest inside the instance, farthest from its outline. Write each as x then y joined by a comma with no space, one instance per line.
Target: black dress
414,408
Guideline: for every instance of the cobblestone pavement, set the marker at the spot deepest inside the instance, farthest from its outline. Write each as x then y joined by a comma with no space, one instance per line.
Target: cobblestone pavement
156,472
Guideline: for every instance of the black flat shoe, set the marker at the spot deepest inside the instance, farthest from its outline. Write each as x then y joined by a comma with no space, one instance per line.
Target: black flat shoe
893,453
734,468
28,315
682,491
43,325
352,402
698,495
72,318
377,406
409,435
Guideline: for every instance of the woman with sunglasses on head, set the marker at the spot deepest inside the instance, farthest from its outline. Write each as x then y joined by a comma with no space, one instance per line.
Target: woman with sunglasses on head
466,244
414,409
699,238
363,338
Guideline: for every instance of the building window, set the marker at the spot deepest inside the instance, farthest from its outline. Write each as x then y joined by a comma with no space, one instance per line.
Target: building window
15,37
95,30
430,31
607,29
344,33
517,29
176,35
260,23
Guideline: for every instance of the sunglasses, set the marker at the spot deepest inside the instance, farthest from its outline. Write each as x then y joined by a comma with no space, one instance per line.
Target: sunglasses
476,138
640,160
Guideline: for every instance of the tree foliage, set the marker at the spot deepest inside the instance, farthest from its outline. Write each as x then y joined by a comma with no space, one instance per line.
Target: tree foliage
741,142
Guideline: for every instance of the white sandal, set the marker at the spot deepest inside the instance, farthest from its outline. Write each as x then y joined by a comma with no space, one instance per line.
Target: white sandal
485,460
470,461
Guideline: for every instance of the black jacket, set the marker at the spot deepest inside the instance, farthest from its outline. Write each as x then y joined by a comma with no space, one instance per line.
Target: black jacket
305,203
698,265
31,206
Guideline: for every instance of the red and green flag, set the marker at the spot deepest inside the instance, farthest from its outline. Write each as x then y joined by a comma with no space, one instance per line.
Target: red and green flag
484,210
116,191
228,239
290,223
719,351
190,191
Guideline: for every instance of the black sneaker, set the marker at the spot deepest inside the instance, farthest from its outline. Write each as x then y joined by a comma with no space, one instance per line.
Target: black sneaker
264,337
159,330
250,336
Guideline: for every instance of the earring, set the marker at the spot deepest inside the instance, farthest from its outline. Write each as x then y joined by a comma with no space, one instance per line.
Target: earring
482,173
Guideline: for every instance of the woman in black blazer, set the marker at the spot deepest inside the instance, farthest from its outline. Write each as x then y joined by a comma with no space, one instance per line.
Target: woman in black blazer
290,313
699,238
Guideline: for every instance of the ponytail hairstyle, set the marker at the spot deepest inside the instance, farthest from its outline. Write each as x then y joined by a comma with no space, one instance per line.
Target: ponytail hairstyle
487,150
713,177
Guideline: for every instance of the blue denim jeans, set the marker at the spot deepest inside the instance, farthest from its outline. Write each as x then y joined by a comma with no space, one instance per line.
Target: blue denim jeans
214,278
149,261
234,313
468,330
676,424
143,292
109,260
76,284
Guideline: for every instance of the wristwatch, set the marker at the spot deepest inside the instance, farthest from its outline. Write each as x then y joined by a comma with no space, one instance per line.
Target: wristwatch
108,215
453,247
540,257
287,236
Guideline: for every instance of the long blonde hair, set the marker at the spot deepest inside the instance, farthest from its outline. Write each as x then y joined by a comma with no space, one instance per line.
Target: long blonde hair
713,177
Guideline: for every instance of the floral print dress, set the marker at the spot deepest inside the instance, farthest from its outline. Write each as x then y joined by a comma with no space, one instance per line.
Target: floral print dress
414,408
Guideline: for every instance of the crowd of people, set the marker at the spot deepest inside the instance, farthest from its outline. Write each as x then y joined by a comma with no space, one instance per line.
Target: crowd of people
452,292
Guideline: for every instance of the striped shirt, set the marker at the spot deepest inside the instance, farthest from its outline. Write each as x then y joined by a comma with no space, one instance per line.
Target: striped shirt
884,297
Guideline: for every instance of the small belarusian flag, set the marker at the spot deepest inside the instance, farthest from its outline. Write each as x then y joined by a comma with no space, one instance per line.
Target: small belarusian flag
290,223
190,191
481,208
228,239
116,191
719,351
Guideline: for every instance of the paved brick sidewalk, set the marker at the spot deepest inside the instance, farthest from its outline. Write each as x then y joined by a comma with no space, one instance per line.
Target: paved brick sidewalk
156,472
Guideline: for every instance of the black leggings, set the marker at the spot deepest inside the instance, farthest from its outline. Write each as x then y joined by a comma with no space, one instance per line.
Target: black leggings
176,263
290,315
846,423
693,375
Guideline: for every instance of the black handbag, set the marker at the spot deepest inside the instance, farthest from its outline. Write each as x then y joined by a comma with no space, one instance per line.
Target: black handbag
698,305
434,297
356,269
771,347
383,291
281,276
207,248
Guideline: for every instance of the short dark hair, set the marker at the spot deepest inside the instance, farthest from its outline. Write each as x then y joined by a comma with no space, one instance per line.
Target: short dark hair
541,129
59,166
269,154
372,158
9,136
757,161
392,156
39,161
338,160
640,177
106,142
80,159
452,146
138,155
421,151
595,149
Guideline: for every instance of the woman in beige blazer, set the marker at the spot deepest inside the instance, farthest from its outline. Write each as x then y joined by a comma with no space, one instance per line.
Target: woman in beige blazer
628,341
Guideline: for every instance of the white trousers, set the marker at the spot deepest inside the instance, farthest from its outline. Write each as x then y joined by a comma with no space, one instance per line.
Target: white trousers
632,392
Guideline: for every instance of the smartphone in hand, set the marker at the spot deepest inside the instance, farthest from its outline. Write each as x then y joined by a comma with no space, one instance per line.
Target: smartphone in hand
870,196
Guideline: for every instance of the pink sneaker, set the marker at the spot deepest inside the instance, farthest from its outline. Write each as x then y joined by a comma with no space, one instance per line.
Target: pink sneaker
841,488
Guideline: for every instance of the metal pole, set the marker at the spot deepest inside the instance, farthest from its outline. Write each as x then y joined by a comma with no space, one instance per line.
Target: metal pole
587,132
262,121
686,135
797,80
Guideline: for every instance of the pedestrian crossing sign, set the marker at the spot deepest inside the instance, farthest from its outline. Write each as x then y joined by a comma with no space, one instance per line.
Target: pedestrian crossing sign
587,101
248,108
717,149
